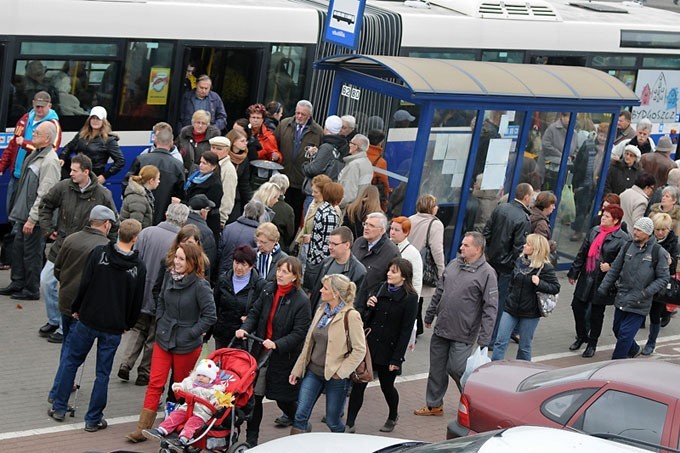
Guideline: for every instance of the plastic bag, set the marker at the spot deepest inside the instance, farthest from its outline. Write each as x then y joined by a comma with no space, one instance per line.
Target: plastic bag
412,340
567,211
478,358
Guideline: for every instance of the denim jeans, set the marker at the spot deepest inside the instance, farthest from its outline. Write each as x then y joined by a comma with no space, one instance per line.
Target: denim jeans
504,279
78,344
626,325
68,322
50,291
527,327
310,390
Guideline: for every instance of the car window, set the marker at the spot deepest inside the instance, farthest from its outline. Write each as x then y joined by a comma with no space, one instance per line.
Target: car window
560,408
560,376
626,415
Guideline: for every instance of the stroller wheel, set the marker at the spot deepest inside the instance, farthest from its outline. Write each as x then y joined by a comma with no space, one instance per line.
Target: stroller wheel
164,450
239,447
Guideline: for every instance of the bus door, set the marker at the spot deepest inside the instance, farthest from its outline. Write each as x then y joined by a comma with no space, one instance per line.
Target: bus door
235,74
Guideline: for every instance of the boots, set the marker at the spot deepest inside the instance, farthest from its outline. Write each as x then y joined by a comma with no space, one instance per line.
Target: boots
651,340
146,420
252,437
294,430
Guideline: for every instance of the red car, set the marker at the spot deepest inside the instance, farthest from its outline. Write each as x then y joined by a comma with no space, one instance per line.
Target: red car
635,399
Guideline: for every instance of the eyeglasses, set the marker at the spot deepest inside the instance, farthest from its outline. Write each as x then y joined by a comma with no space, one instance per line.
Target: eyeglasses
352,143
368,225
335,244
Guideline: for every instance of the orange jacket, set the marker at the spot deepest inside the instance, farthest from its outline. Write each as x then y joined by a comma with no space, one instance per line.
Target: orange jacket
269,146
374,154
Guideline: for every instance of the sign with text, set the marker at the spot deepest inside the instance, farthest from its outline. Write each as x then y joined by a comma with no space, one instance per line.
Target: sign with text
343,22
159,79
658,93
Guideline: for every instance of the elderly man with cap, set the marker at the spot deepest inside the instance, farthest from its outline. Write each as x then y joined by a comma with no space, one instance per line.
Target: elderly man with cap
327,158
69,267
220,146
659,162
199,208
641,139
402,118
639,271
622,173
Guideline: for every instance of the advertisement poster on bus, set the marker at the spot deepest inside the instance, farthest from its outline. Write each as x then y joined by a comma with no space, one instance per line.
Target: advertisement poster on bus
658,93
159,79
343,22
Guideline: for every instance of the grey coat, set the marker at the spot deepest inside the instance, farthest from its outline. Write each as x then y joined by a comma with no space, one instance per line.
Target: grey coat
636,279
137,205
186,310
240,232
465,302
40,172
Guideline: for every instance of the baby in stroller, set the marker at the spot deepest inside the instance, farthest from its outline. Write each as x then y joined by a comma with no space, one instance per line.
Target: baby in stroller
202,382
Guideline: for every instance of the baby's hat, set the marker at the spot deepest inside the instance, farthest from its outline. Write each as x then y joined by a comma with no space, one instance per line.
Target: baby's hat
207,368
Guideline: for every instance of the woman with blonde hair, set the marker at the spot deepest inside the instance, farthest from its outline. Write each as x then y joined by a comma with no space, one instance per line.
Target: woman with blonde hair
668,205
367,202
267,194
139,201
532,273
193,140
330,354
97,142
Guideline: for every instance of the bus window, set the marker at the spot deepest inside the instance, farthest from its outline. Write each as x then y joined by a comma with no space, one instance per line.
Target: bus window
503,56
452,55
145,87
564,60
285,76
661,62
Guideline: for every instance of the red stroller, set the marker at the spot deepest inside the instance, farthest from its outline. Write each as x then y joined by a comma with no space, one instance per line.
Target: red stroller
238,370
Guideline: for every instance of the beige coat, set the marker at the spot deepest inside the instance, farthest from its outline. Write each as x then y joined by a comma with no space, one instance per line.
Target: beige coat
229,181
417,236
336,362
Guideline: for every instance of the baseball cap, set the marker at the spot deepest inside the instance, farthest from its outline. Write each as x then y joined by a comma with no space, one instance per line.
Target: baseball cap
42,99
200,201
101,212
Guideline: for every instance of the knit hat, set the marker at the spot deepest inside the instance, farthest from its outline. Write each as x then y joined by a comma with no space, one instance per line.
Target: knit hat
207,368
333,124
665,145
645,225
633,149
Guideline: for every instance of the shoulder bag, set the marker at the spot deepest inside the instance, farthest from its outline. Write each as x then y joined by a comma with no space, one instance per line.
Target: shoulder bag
364,371
430,274
546,302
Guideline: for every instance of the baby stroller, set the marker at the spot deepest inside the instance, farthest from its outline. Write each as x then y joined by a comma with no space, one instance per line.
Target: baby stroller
238,370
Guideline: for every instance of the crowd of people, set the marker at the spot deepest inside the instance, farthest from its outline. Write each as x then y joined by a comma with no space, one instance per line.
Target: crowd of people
308,261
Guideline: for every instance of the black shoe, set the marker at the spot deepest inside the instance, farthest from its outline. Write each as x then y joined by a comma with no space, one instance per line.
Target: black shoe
635,351
576,345
389,425
46,330
142,380
24,295
665,319
283,421
55,337
589,352
124,373
93,428
58,416
9,290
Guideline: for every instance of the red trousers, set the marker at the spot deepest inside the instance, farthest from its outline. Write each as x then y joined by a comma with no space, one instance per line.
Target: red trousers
161,364
176,418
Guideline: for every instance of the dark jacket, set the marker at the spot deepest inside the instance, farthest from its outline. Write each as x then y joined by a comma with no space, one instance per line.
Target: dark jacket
352,269
289,328
240,232
192,151
73,206
97,150
505,233
243,190
137,204
375,261
111,290
211,188
284,219
587,283
672,245
218,115
232,306
636,278
327,160
522,300
185,311
621,177
293,152
391,322
172,178
207,242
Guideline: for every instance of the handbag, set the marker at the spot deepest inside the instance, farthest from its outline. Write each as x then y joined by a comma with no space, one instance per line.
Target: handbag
546,302
669,294
430,273
364,371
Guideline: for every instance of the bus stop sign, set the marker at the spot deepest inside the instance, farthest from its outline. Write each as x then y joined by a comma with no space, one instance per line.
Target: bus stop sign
343,22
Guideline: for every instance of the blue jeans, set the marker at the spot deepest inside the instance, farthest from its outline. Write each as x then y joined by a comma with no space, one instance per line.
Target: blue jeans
78,344
68,323
504,279
310,390
50,291
527,327
626,325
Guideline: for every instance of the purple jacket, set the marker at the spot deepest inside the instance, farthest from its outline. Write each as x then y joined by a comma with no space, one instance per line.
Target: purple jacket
218,116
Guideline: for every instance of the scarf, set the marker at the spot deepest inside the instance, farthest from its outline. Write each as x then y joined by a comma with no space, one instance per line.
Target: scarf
596,247
328,314
237,159
197,178
392,288
264,260
175,276
281,291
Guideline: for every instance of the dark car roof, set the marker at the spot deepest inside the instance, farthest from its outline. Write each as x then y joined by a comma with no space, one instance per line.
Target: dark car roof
663,376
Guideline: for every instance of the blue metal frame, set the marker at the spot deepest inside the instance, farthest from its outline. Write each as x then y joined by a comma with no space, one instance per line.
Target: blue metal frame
562,174
605,165
418,160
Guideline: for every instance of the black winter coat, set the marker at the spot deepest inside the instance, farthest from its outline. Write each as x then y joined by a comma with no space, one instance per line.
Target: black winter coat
505,233
232,306
621,177
391,323
672,245
211,188
98,151
587,283
289,329
522,301
190,149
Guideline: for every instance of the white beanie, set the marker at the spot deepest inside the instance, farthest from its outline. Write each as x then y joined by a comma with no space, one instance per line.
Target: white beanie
207,368
645,224
333,124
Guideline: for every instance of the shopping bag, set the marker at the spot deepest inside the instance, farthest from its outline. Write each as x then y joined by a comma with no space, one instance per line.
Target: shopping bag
478,358
567,211
412,340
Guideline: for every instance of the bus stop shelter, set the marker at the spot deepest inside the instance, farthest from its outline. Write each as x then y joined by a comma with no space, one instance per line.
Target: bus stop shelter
470,131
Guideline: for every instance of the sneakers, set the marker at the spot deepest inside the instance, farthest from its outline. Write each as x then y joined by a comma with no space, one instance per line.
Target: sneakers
124,373
427,410
46,330
94,427
389,425
55,337
283,421
58,416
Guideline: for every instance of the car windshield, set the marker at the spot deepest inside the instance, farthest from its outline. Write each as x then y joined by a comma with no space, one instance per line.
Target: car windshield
560,376
470,444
